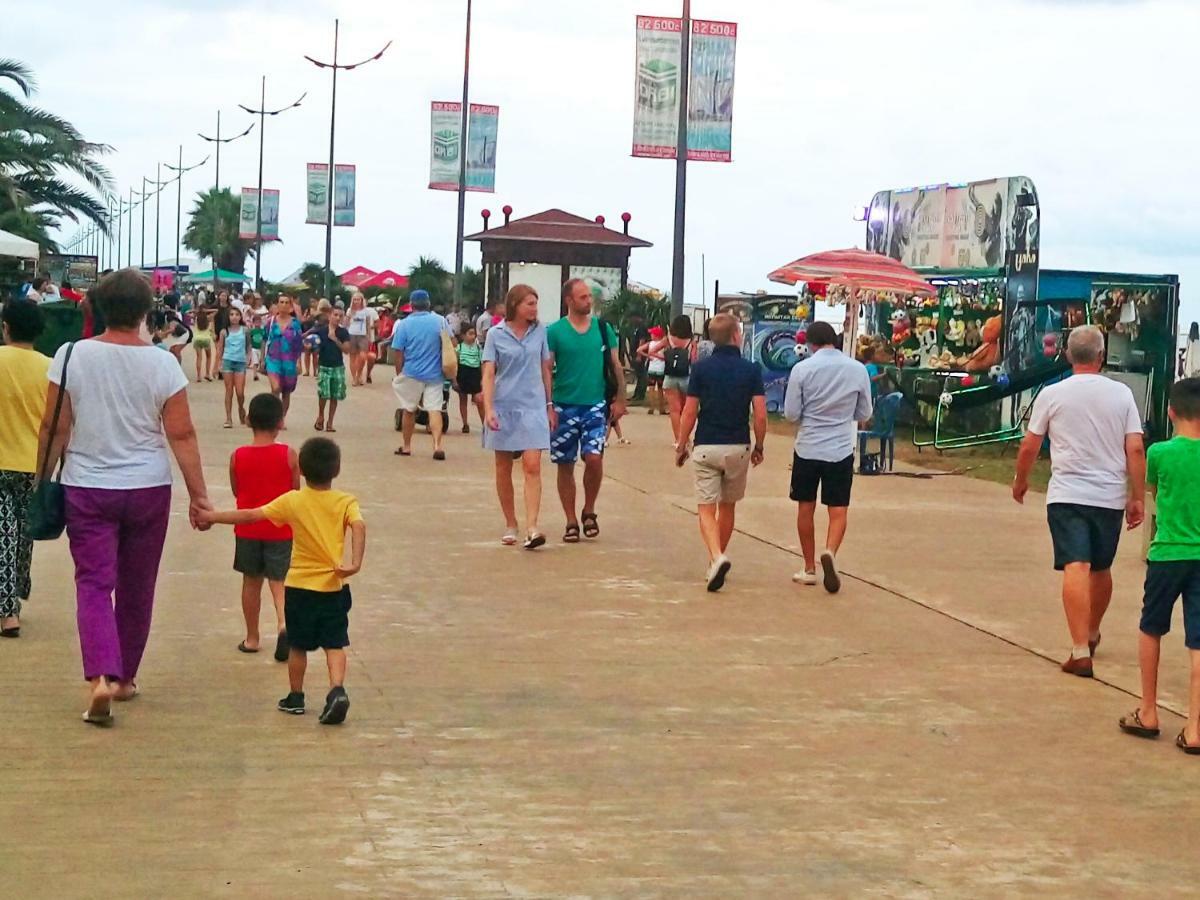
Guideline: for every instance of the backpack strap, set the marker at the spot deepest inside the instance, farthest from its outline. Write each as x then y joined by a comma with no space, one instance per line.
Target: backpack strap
58,402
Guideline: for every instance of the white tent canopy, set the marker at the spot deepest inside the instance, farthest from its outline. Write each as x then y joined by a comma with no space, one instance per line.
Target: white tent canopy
12,245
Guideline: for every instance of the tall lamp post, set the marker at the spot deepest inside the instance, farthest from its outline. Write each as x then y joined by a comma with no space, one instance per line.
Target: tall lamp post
462,167
218,140
180,171
262,112
335,66
681,154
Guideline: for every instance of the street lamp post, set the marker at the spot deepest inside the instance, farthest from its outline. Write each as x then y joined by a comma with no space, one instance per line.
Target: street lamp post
180,171
462,168
335,66
681,154
218,140
262,112
129,249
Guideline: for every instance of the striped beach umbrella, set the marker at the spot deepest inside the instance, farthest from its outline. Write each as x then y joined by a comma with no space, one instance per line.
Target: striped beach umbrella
858,270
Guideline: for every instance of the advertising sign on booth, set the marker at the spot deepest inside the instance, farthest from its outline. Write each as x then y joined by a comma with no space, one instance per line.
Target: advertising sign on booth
658,61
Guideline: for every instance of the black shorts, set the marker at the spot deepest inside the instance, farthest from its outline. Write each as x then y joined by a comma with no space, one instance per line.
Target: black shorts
1166,582
1084,534
262,559
317,619
834,479
469,380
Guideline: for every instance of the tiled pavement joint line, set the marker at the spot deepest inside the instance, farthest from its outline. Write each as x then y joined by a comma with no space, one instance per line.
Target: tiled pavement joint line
1182,713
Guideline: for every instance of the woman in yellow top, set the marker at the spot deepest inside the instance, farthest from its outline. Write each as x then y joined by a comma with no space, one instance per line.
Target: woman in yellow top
23,385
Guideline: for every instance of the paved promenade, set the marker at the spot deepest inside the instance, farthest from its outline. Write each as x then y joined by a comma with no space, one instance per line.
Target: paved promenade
588,722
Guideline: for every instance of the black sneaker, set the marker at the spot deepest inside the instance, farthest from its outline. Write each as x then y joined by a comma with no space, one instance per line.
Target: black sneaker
337,704
293,703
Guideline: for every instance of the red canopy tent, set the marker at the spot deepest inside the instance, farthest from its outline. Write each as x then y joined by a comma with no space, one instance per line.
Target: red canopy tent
356,276
388,278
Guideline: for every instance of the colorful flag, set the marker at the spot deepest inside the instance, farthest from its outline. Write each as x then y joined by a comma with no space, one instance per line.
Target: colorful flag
248,227
710,88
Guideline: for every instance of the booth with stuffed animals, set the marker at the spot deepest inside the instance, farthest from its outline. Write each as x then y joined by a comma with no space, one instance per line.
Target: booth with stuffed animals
971,359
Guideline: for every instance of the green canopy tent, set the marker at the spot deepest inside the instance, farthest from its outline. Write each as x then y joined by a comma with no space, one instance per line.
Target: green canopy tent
218,275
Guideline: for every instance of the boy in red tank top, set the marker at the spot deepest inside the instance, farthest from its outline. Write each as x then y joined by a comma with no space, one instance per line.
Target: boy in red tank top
258,473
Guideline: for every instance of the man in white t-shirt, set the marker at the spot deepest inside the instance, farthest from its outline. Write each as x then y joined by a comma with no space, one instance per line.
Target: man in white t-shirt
1098,479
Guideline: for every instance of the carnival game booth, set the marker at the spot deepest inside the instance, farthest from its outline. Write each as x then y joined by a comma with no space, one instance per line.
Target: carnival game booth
971,357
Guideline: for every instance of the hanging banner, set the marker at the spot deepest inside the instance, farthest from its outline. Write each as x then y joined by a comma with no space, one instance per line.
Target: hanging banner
445,145
343,194
249,214
318,193
482,126
710,92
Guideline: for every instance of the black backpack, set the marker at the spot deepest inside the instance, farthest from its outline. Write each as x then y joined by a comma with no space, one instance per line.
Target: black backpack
677,361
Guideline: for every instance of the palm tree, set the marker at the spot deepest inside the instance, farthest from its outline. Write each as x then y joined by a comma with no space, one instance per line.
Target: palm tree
628,305
430,275
38,150
213,230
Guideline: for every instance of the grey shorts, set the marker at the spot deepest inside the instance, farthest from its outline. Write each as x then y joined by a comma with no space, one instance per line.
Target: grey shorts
675,383
359,343
721,472
262,559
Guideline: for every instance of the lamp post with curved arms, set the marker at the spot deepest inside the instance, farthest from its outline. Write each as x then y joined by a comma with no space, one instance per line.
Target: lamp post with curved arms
262,112
335,66
218,140
180,170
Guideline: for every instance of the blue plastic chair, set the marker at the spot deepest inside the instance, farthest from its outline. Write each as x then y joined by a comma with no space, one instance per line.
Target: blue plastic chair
883,427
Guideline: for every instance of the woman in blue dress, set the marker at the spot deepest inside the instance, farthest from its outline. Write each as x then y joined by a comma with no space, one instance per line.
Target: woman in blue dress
517,407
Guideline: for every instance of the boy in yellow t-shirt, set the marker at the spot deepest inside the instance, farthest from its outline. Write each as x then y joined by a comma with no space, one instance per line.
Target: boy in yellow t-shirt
316,601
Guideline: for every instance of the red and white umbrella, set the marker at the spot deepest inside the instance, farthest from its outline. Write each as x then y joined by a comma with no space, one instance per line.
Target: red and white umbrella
859,270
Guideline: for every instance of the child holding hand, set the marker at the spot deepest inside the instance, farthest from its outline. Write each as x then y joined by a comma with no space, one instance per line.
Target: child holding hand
316,599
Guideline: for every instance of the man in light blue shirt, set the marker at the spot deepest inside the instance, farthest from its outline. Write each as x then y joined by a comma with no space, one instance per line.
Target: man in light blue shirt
827,395
417,346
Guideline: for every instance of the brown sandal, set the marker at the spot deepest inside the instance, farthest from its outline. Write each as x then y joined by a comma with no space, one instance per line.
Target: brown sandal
1189,749
572,535
1132,724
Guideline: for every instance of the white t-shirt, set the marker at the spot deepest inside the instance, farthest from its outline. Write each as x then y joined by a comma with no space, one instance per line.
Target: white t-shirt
362,321
1087,418
117,394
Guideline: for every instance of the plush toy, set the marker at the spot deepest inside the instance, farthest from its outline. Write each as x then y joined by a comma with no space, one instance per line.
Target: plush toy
928,348
901,326
1050,345
988,353
956,331
971,339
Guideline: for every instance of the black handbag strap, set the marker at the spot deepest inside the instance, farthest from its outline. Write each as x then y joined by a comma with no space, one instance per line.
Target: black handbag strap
62,389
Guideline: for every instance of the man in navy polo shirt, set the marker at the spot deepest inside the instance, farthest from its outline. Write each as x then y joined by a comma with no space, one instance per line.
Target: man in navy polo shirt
722,390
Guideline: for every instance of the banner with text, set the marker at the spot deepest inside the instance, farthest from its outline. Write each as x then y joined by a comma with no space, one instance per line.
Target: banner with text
483,124
710,92
446,144
248,217
344,187
318,194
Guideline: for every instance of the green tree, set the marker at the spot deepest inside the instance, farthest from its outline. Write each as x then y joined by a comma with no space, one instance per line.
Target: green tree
213,230
629,305
430,275
472,288
313,275
39,152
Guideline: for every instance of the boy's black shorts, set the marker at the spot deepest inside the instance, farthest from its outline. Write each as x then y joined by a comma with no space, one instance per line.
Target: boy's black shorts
1084,534
833,478
1166,582
317,619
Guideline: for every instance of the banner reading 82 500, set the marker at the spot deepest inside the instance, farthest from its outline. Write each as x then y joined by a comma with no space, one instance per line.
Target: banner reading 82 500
710,89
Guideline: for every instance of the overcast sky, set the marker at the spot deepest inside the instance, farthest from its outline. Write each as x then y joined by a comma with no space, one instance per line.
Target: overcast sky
1096,100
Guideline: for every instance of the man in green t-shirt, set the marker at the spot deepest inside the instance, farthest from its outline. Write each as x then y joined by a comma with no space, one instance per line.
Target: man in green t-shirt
580,353
1173,567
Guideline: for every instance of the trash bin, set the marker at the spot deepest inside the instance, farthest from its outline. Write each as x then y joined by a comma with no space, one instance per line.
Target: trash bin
63,322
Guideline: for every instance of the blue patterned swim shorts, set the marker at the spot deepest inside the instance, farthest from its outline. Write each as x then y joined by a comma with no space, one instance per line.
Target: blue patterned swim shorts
578,427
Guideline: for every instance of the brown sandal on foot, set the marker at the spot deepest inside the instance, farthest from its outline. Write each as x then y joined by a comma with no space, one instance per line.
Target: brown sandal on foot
1132,724
572,535
1189,749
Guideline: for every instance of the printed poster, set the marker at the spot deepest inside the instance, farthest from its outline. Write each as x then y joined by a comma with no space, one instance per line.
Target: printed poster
248,218
344,187
318,193
710,93
482,127
445,145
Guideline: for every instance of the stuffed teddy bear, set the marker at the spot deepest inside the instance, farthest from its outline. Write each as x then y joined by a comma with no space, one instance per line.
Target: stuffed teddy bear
988,353
972,339
901,326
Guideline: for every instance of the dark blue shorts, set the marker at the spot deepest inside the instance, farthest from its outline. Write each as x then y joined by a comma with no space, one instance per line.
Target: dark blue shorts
1166,582
1084,534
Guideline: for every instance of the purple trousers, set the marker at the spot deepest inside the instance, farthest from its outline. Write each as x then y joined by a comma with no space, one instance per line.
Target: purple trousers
117,541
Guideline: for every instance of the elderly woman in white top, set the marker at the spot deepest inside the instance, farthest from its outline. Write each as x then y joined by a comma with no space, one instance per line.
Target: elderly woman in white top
125,404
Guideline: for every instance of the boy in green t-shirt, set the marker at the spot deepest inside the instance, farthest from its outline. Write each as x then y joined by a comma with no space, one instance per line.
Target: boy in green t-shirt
1173,568
256,343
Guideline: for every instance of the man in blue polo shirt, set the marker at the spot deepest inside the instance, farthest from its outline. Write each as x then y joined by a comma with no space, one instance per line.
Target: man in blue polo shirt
417,345
722,390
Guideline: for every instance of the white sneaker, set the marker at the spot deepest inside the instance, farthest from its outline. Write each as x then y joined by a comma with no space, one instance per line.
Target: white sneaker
805,578
717,572
831,578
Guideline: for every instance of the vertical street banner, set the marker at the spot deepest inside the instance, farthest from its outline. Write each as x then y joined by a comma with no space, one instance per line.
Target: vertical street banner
248,217
710,91
656,94
445,145
318,193
658,61
482,127
344,187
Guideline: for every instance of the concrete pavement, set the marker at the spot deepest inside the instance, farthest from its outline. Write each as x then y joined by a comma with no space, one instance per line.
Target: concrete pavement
588,722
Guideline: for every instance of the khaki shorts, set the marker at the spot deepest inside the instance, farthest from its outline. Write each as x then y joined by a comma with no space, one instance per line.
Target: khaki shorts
412,393
721,472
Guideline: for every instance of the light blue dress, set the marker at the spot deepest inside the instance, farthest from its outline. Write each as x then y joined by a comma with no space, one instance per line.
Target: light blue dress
520,399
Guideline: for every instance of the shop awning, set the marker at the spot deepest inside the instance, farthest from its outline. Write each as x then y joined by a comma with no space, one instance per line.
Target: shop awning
15,245
219,275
